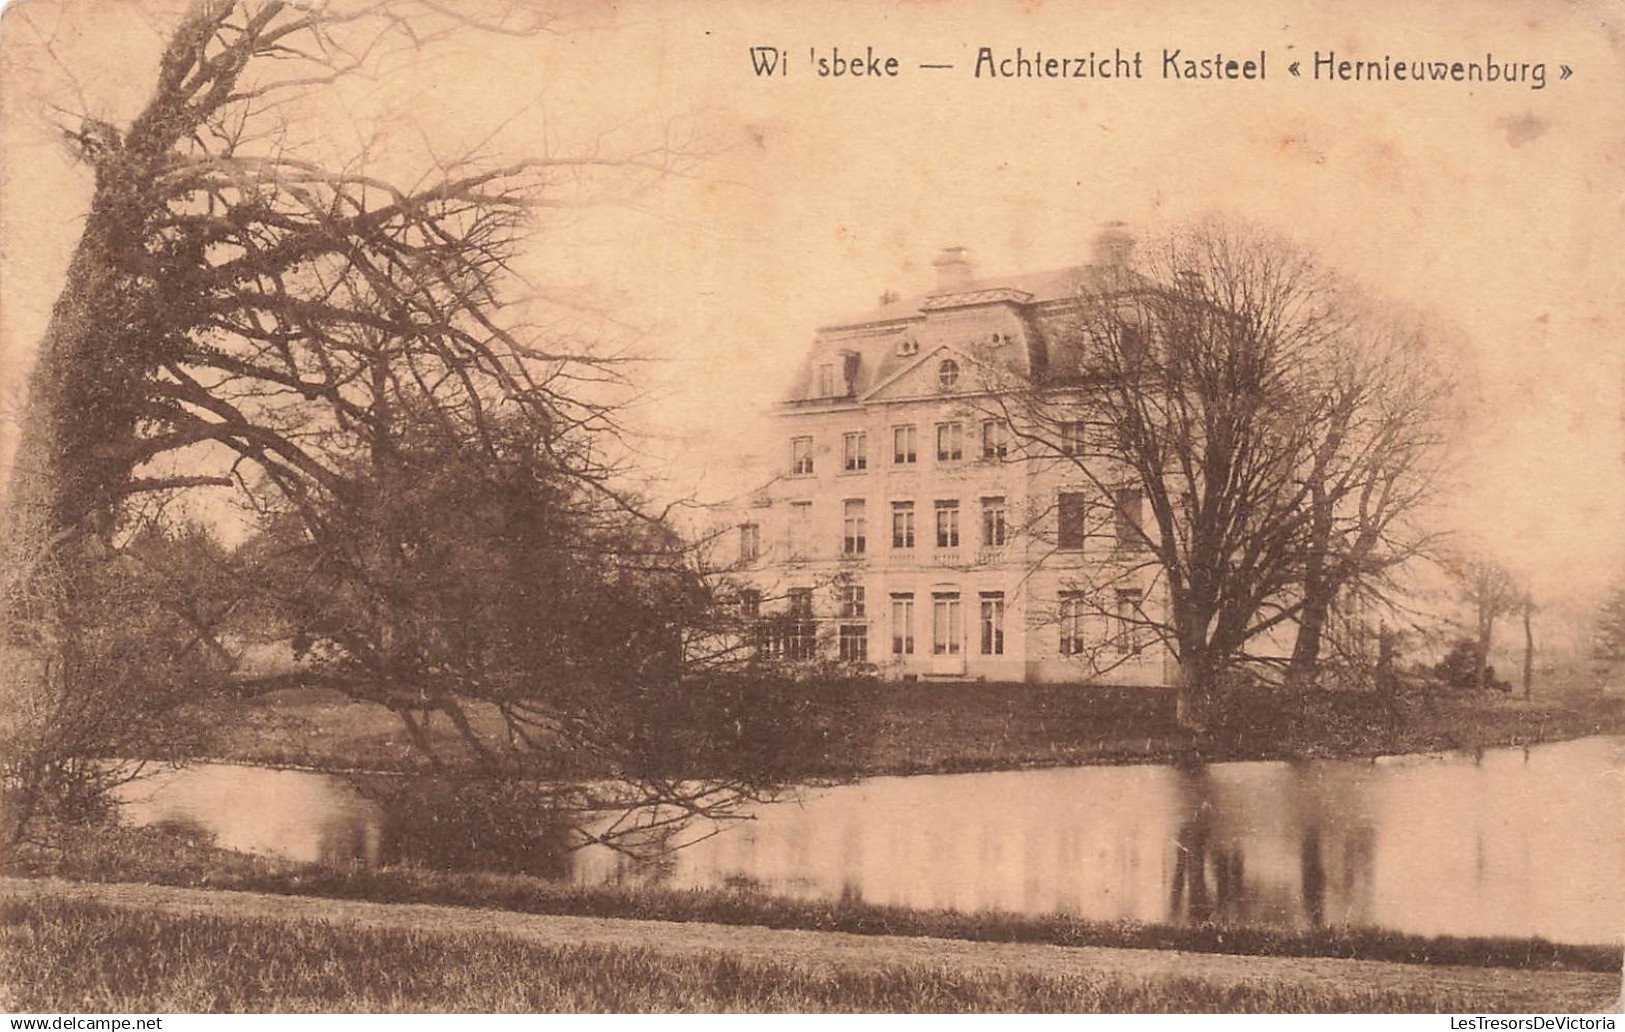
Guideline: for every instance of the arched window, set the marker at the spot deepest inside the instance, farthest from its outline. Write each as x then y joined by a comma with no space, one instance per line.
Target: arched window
948,374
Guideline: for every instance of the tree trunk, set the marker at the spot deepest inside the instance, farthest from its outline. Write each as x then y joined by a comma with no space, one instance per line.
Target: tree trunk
1386,681
1305,662
1317,595
1486,633
1195,686
1528,651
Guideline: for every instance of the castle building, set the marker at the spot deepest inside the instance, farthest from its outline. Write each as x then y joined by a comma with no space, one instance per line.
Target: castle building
910,525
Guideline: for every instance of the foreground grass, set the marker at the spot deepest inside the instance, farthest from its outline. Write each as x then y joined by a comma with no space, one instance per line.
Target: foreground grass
158,857
943,728
59,955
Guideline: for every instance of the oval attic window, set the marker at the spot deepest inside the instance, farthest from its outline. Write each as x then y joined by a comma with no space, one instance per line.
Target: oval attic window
948,374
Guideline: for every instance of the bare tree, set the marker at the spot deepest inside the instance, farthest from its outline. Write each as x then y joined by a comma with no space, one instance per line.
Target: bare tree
1377,463
328,342
1227,377
1492,592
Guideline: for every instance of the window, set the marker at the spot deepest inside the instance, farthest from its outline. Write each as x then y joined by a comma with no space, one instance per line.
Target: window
950,442
1131,629
993,523
750,604
1072,437
855,446
1072,624
948,523
792,641
854,643
902,625
995,439
851,601
801,456
947,628
1071,511
826,380
908,346
992,623
948,374
905,444
750,542
795,638
1127,505
800,528
1131,345
902,524
854,528
803,641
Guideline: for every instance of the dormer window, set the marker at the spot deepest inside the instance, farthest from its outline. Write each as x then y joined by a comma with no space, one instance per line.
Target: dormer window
948,374
826,380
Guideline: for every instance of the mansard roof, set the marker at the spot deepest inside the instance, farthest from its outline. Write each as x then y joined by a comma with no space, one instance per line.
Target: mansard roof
1023,288
1005,322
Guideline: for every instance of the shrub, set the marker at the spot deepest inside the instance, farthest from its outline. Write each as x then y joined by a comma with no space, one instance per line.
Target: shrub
1459,668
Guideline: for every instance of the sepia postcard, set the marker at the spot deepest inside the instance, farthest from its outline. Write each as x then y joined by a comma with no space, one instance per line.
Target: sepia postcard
517,507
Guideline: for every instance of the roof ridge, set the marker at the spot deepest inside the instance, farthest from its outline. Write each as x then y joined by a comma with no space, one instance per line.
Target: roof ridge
915,306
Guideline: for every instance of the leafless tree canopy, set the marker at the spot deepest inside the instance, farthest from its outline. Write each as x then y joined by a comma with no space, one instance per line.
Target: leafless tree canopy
230,290
1285,433
364,361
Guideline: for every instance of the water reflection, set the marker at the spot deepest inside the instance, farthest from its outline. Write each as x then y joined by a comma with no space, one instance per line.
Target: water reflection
314,818
1506,842
1502,842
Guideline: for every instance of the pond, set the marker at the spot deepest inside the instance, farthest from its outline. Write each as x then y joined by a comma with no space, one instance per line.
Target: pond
1514,842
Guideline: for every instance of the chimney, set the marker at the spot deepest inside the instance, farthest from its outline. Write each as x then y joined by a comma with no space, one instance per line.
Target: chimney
1112,244
954,269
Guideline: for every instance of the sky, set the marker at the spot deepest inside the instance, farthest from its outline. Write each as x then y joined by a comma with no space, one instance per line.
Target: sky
1495,208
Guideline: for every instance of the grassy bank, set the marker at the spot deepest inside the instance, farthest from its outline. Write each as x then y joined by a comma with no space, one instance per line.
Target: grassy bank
939,728
166,858
66,955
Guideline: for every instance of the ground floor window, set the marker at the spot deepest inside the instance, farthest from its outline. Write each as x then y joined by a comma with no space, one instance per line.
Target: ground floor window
902,625
788,640
1072,624
947,625
992,623
854,643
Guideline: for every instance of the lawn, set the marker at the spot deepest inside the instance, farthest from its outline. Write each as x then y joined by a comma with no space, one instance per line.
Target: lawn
74,955
167,858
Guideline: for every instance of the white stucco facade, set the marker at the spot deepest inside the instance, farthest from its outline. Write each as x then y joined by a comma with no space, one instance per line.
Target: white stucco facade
908,523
